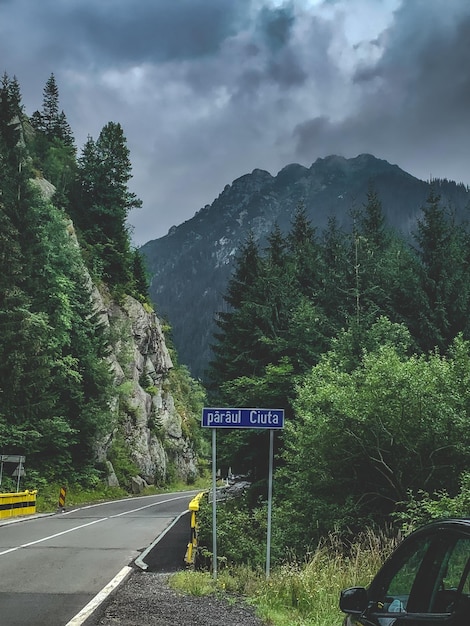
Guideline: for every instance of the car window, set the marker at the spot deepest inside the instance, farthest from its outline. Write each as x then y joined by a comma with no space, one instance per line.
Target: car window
452,586
430,574
399,578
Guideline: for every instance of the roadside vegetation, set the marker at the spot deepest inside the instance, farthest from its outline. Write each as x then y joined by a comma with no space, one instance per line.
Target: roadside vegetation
297,593
303,591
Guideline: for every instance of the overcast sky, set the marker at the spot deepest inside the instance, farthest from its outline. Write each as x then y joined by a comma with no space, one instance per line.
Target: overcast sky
208,90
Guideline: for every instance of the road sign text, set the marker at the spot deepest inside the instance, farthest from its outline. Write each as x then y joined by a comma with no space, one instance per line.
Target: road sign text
242,418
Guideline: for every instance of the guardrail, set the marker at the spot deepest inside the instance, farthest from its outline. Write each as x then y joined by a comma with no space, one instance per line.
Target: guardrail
190,555
15,504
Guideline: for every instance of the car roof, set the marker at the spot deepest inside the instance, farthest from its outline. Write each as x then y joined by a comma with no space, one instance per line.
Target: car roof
460,523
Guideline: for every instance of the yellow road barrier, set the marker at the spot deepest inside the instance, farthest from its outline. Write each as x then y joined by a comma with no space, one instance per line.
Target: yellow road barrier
15,504
192,545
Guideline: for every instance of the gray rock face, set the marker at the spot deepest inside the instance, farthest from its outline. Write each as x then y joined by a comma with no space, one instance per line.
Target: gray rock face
138,484
145,413
112,478
145,409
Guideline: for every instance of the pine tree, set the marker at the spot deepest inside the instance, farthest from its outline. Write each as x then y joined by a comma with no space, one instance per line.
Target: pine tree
443,253
140,275
103,202
372,221
46,120
53,147
369,249
234,348
294,324
305,253
63,131
11,117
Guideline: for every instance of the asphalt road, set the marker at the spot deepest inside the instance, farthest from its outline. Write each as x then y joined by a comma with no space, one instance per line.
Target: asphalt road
52,566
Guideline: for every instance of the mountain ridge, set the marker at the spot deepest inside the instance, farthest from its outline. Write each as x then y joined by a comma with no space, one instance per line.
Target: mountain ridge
191,265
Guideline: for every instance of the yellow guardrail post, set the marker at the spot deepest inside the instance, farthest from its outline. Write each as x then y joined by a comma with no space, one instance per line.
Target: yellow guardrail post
15,504
190,555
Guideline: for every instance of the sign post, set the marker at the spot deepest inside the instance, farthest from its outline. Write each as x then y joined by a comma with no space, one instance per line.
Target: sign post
214,505
270,500
266,419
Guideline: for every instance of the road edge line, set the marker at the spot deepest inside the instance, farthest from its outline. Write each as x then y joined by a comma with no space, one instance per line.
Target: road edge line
139,561
100,597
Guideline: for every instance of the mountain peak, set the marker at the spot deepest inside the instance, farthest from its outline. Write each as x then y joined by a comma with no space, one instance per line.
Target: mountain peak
191,266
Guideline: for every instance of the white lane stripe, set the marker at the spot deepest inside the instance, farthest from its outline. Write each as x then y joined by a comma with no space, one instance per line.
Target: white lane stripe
147,506
64,532
186,494
100,597
97,521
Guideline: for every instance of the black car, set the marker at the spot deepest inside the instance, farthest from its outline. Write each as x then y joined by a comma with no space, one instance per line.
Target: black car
425,582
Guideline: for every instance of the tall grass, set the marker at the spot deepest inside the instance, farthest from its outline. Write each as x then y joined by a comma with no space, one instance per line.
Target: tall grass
301,593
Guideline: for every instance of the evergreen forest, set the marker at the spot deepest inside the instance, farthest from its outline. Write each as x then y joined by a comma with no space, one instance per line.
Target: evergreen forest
364,338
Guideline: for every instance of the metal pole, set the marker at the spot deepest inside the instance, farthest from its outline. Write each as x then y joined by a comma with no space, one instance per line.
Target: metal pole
270,501
19,475
214,504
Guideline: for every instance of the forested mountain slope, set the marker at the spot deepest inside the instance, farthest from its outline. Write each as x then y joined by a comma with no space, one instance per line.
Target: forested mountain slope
191,265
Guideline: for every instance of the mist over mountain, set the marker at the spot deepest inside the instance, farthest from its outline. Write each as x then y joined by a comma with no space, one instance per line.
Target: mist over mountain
190,266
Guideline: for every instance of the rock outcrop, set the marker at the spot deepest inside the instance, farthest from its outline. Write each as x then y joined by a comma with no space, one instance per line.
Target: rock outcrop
146,425
145,414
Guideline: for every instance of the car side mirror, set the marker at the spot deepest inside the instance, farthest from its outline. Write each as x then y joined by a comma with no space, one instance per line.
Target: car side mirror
353,600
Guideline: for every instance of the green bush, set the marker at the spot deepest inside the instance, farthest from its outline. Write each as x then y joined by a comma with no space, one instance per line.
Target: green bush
241,532
422,507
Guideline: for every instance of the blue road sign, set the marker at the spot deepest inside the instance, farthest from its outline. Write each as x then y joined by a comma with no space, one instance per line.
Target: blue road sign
242,418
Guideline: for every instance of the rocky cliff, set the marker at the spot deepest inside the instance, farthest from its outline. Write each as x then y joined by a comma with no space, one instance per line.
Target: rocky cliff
145,415
146,424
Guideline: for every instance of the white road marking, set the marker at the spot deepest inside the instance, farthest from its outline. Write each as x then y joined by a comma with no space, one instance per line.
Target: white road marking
100,597
147,506
64,532
97,521
91,506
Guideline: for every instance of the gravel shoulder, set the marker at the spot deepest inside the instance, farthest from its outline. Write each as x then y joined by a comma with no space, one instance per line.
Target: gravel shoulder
145,599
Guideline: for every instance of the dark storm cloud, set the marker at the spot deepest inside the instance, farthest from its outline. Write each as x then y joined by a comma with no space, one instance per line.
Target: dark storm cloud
275,25
415,100
159,31
426,66
274,29
119,31
276,58
208,90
